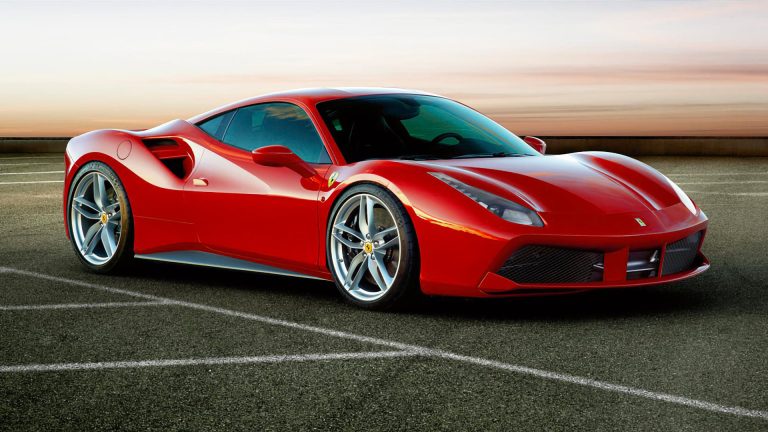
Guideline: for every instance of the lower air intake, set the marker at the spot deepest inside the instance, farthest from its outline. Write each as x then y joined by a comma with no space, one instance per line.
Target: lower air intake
546,264
681,255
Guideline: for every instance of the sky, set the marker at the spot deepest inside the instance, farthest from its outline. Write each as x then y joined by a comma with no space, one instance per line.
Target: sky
537,67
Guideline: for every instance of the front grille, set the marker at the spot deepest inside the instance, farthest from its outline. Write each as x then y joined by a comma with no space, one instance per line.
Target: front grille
643,264
681,255
546,264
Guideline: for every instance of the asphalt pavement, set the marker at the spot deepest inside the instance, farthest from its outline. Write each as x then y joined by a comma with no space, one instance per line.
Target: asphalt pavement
170,347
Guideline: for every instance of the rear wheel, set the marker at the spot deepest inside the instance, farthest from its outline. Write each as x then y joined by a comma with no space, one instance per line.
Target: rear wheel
371,248
99,219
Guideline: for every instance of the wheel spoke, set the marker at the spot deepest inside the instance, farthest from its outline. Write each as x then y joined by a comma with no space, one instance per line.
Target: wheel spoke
369,219
112,207
108,240
383,269
373,268
346,242
385,232
389,243
85,203
355,272
115,218
91,237
85,208
99,191
361,215
350,231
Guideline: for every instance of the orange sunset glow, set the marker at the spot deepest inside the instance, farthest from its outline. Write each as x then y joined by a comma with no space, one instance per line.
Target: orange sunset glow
544,68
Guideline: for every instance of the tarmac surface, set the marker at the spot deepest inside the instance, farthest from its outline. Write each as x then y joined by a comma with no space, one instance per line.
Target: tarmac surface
171,347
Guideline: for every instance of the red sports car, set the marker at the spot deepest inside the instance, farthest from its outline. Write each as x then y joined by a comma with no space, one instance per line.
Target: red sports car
389,193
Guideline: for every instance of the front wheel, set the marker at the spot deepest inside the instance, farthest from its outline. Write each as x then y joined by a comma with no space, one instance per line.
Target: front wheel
371,248
99,219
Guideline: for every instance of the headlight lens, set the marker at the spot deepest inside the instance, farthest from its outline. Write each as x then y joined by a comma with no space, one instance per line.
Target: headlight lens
503,208
682,195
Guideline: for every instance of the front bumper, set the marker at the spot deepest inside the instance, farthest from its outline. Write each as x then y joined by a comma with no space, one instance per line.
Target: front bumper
623,256
495,285
612,268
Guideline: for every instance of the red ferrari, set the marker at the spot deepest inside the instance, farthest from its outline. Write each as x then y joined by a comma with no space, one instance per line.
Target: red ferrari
389,193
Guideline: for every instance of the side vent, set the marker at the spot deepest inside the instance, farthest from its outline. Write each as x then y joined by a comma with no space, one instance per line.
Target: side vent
175,155
160,143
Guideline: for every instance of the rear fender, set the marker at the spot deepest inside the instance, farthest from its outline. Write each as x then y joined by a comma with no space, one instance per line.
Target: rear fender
152,166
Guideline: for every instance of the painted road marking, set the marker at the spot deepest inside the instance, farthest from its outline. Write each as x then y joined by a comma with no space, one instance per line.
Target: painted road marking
205,361
422,351
720,174
33,172
81,305
749,194
31,182
61,158
30,163
723,182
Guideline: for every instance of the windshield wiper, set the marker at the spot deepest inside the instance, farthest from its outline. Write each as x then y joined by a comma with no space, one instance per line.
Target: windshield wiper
482,155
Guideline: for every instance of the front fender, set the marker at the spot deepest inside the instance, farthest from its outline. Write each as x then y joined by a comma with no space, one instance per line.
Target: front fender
447,223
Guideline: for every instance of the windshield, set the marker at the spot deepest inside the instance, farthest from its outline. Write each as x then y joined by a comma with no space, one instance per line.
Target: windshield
415,127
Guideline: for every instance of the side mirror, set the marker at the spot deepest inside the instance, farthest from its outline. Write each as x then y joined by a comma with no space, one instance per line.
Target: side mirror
538,144
282,156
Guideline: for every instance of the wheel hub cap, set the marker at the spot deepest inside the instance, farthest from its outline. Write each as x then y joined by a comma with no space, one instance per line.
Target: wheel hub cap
368,247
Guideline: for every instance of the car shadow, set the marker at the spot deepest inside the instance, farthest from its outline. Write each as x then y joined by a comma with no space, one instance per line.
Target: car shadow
591,305
690,296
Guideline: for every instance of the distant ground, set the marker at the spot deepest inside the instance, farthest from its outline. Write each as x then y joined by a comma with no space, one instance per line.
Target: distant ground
703,339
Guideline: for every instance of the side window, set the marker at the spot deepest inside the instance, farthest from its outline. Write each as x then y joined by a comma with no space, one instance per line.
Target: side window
216,126
276,123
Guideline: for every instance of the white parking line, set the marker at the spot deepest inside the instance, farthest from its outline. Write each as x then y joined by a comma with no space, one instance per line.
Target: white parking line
32,172
211,361
423,351
723,182
32,182
749,194
31,163
61,158
718,174
81,305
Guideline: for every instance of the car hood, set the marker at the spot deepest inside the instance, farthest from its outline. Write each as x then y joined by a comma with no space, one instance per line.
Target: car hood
576,184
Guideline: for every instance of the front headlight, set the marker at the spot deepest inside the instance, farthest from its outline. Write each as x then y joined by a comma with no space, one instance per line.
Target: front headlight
682,195
503,208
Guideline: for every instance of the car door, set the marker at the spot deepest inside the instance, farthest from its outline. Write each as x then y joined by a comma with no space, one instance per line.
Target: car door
266,214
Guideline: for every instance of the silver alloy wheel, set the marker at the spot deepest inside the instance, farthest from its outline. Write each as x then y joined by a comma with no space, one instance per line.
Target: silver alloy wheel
365,247
95,218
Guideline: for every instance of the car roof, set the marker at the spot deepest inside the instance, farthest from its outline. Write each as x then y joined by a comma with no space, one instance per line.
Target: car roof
308,97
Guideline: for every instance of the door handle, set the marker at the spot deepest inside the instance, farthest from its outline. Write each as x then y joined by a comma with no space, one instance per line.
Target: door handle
200,182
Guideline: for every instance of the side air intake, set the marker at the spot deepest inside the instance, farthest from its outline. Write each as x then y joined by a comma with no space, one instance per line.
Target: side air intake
681,255
173,154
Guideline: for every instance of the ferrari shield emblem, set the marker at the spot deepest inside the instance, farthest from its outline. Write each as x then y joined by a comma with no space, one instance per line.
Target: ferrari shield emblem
332,178
640,222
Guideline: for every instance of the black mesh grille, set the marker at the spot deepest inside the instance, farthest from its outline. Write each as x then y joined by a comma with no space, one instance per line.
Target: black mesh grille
545,264
681,255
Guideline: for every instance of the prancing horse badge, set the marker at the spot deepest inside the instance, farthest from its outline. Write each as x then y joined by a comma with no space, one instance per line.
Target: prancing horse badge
332,178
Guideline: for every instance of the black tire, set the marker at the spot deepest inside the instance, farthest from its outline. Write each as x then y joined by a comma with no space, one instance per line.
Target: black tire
405,287
123,255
